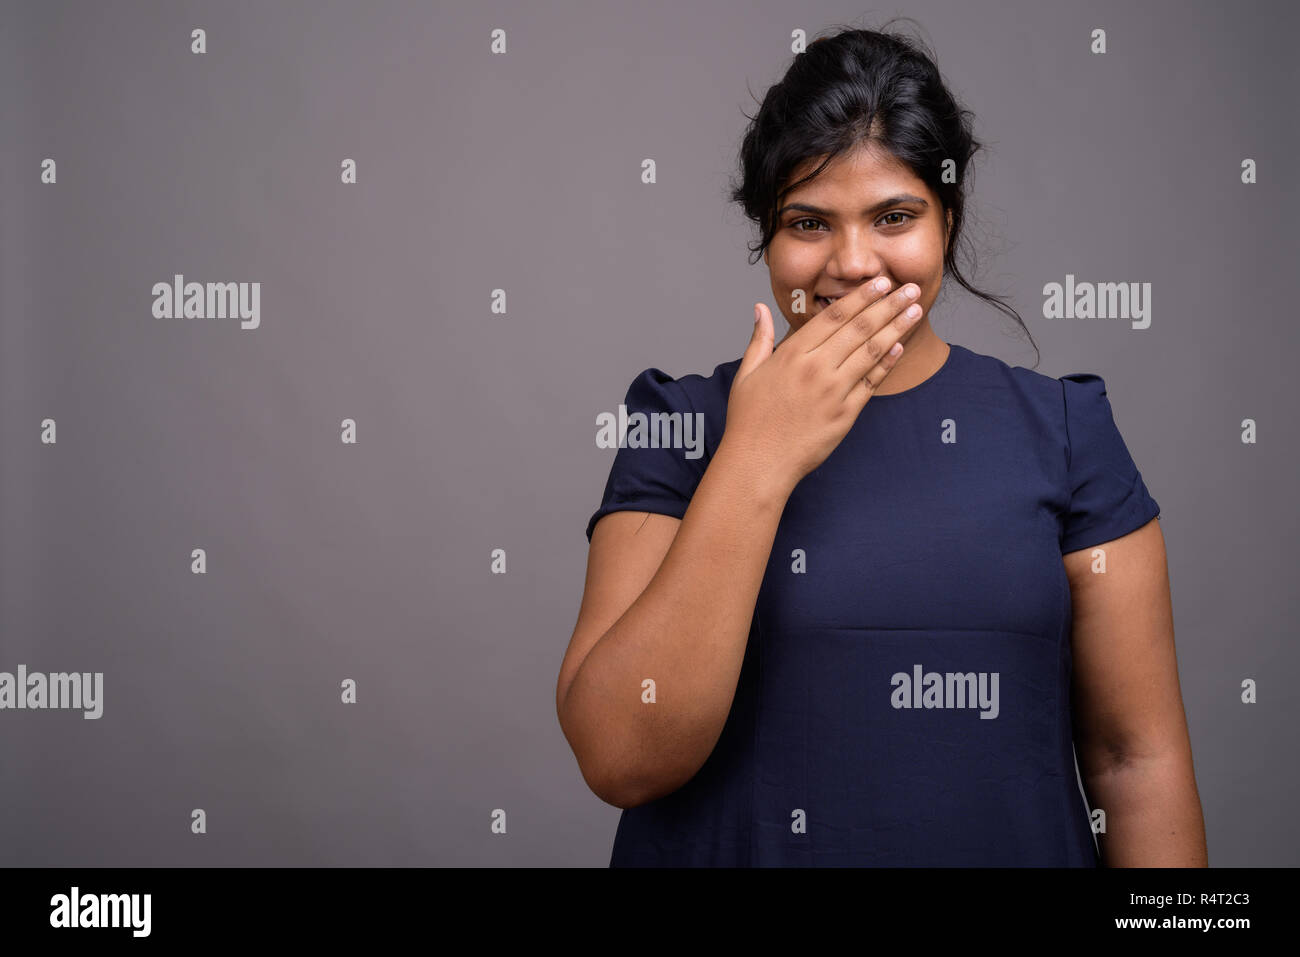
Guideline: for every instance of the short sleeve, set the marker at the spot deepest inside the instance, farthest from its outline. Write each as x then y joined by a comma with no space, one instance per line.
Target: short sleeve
1108,498
661,460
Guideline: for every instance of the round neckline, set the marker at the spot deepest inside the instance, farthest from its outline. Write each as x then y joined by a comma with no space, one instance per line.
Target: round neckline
935,376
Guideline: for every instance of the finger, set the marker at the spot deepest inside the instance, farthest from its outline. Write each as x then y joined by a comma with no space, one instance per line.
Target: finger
864,388
760,343
829,321
869,355
868,322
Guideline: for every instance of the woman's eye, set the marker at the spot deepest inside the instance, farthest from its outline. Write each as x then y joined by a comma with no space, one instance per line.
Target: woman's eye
906,215
798,222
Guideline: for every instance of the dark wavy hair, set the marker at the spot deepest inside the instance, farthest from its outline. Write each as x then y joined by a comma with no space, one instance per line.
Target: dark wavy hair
851,89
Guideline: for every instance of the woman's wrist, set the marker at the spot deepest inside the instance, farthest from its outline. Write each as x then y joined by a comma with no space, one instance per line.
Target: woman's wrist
759,479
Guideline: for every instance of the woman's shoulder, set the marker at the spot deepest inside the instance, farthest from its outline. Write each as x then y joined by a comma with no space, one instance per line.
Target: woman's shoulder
1072,410
991,370
690,392
1050,394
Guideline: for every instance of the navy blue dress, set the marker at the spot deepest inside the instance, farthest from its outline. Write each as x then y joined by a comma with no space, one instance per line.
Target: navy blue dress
905,693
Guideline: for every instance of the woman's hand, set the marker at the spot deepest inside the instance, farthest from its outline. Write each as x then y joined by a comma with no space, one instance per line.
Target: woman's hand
794,405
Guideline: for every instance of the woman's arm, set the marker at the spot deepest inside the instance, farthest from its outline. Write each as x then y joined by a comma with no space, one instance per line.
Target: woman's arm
673,602
1130,730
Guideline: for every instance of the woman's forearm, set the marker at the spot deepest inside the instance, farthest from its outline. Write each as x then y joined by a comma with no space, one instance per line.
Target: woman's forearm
1153,813
687,631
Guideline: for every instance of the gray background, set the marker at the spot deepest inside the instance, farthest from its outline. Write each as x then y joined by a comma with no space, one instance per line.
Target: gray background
476,431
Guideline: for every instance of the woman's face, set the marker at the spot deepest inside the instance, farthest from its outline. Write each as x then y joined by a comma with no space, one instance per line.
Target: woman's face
865,215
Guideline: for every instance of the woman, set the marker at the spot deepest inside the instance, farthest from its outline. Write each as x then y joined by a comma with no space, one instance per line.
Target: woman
903,589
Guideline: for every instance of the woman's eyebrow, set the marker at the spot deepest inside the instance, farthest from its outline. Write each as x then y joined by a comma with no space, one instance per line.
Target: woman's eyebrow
818,211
